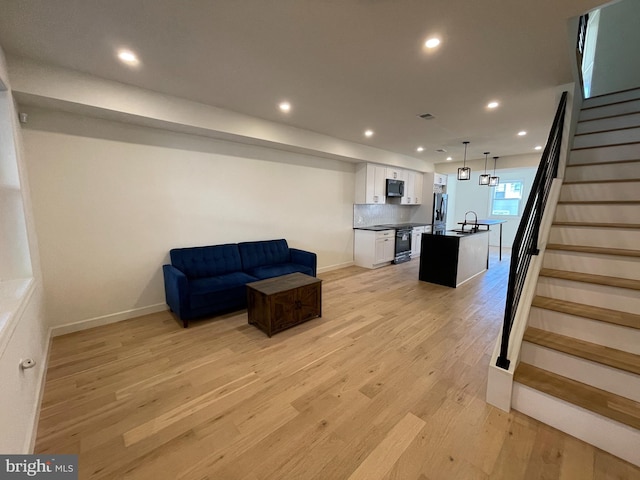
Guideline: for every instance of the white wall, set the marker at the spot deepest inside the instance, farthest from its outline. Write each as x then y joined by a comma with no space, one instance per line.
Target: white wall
617,56
23,332
111,199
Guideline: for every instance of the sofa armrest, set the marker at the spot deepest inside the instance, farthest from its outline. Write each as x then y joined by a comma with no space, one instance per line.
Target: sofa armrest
176,288
302,257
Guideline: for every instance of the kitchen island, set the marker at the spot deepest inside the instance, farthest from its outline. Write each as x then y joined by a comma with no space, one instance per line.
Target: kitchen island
453,258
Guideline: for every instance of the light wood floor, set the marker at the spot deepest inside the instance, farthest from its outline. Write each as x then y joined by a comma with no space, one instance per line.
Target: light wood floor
388,384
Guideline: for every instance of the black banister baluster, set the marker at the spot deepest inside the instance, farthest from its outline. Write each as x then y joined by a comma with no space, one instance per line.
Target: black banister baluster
525,243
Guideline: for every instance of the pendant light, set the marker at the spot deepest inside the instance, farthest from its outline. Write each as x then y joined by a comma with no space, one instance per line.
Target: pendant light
493,181
464,173
484,178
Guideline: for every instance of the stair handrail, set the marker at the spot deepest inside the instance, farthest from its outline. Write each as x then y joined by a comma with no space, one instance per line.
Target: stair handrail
525,243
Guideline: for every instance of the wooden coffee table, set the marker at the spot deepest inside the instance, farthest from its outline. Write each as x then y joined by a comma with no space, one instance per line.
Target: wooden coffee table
278,303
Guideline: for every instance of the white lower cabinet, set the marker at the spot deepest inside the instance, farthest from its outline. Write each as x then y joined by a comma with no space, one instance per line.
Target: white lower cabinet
374,249
416,239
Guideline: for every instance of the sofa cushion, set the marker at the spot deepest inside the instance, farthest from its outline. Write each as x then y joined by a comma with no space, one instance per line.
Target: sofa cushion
207,291
268,271
267,252
202,262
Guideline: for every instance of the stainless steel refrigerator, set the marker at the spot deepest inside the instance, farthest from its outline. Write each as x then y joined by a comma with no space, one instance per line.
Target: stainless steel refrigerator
439,213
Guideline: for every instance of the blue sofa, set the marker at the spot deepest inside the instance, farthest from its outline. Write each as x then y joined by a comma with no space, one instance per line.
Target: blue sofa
203,281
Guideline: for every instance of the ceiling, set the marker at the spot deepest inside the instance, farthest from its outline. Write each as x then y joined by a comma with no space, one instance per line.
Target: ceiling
344,65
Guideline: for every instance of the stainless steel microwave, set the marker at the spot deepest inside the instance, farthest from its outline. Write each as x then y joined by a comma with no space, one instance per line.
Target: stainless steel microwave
395,188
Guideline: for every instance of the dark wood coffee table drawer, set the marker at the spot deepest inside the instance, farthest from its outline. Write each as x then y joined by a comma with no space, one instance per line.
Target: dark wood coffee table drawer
278,303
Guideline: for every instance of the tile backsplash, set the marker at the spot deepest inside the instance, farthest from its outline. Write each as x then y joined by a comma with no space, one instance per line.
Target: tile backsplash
368,215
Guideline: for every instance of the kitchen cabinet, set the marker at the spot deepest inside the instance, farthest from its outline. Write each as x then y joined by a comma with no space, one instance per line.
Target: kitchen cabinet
439,179
394,173
453,258
373,249
417,188
413,188
416,239
371,184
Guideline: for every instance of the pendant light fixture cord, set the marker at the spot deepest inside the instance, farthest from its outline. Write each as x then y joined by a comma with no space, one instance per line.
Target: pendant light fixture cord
464,164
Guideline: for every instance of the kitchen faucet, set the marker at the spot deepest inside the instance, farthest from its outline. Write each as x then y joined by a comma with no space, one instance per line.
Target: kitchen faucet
475,221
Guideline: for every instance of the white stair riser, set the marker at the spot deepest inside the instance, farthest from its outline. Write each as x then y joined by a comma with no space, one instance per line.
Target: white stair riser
613,137
608,123
599,213
628,239
595,264
604,154
609,109
611,436
597,375
621,299
601,191
610,335
617,171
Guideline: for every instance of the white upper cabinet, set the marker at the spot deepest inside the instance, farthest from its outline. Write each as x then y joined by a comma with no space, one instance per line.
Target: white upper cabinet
439,179
417,188
371,183
413,183
394,173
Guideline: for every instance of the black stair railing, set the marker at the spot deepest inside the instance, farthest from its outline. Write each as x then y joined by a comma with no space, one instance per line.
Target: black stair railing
581,43
525,244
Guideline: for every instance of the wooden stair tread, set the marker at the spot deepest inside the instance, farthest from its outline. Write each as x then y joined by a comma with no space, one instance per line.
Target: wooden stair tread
605,146
597,225
606,130
619,359
615,317
591,278
588,249
610,180
587,102
607,117
572,165
604,403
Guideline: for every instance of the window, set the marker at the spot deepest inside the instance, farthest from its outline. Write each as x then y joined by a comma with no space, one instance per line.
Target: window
506,198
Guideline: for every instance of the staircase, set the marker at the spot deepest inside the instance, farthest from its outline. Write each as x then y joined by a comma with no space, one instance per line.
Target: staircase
579,367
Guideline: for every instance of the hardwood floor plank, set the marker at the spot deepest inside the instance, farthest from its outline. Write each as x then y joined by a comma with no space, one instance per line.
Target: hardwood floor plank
382,458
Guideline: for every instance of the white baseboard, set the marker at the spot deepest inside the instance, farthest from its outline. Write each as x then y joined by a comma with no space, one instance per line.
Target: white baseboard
138,312
335,267
107,319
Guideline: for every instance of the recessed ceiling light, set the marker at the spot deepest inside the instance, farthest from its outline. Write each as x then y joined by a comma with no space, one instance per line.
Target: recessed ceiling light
449,158
522,133
420,149
285,106
493,105
368,133
128,57
538,147
432,42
